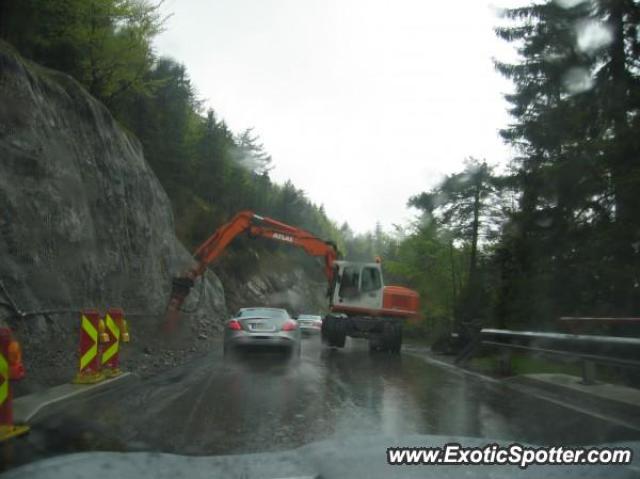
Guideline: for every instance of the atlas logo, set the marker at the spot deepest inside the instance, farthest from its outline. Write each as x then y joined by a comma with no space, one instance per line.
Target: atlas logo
281,237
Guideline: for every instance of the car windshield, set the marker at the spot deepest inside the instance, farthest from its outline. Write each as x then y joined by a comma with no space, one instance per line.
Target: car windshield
452,186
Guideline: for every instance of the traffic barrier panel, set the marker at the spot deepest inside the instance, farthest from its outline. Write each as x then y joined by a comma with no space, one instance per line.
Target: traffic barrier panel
92,333
11,369
117,331
124,329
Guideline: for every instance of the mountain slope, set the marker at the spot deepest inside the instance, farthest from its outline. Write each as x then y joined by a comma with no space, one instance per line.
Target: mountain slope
84,222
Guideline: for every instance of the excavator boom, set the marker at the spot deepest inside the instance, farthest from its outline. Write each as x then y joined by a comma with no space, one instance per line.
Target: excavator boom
262,226
255,226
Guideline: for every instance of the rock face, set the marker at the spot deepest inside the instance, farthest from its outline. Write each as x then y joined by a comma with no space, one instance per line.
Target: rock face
291,289
84,222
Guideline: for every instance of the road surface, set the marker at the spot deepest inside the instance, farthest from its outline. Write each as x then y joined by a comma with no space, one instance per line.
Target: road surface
259,403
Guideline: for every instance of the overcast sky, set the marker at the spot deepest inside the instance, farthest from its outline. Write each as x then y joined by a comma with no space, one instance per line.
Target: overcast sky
361,103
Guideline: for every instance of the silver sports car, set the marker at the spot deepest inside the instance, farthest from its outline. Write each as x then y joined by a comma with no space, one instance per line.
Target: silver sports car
268,328
310,323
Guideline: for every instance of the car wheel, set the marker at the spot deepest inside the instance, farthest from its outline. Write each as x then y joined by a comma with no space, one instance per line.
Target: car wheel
339,333
391,339
374,344
326,329
333,332
397,343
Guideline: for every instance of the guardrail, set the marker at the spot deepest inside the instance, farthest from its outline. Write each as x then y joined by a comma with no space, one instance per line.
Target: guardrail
590,319
598,325
590,349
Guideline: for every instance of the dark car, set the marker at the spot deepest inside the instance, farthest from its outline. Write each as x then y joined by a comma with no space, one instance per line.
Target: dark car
268,328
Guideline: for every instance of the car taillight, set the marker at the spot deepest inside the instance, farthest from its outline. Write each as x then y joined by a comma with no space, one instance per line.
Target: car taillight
234,325
289,325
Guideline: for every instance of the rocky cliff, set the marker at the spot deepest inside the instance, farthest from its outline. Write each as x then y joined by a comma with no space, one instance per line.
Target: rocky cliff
286,279
84,222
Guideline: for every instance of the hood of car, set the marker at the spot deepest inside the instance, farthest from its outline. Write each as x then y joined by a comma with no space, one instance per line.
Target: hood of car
361,456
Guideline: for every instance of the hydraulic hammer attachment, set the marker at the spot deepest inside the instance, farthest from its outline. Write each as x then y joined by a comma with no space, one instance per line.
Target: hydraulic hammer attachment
180,288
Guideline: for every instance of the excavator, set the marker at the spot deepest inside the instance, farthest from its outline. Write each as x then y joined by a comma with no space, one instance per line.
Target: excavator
360,305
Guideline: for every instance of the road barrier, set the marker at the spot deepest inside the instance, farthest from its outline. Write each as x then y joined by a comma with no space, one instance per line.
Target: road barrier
99,358
11,369
100,345
595,325
590,349
117,331
92,332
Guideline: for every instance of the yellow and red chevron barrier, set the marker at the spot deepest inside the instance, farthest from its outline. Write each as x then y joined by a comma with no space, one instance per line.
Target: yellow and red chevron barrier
117,331
100,344
92,333
11,369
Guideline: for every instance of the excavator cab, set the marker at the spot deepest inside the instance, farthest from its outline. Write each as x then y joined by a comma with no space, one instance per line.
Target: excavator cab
358,286
357,289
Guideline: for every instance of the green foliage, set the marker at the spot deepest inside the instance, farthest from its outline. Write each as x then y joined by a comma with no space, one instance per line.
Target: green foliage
105,44
250,153
465,203
569,248
427,261
467,206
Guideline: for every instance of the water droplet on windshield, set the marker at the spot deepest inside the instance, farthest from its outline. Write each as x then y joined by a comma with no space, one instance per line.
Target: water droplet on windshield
569,3
578,80
592,35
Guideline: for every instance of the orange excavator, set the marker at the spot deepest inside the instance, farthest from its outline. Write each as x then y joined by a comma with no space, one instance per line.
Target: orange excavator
359,303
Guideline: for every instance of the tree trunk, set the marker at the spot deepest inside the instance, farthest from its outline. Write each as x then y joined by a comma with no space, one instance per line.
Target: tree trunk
473,260
454,289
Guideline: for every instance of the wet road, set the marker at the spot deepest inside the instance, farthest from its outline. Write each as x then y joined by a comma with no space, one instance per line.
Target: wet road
259,403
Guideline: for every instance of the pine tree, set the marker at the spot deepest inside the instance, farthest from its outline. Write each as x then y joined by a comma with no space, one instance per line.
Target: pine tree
251,154
464,204
573,109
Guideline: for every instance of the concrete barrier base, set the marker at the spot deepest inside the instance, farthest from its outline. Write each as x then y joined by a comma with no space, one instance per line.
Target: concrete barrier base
25,408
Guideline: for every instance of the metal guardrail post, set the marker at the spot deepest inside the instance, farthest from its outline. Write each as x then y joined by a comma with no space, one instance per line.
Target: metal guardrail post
469,350
504,364
588,372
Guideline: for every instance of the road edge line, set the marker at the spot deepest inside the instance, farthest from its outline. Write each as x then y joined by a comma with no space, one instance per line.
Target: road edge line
29,406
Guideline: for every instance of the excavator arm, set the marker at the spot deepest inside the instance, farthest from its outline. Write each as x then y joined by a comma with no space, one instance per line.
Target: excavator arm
255,226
